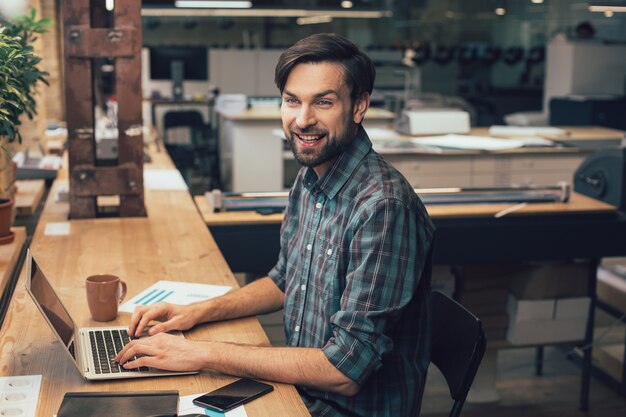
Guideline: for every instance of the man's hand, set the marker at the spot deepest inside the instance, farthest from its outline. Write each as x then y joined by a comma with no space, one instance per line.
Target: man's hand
174,317
163,351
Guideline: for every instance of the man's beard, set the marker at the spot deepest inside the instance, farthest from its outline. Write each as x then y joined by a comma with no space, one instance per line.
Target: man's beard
333,147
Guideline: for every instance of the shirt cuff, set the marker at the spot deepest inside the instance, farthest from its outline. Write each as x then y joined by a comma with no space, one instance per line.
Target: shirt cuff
351,357
278,278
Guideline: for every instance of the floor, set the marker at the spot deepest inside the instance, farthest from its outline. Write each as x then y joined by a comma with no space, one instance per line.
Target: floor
553,394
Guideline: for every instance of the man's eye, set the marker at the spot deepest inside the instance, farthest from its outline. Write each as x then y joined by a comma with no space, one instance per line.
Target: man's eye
325,102
290,100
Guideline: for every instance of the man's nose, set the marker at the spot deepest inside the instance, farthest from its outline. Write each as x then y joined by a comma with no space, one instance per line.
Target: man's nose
305,117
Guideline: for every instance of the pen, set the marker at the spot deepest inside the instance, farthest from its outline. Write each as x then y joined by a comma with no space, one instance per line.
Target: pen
509,210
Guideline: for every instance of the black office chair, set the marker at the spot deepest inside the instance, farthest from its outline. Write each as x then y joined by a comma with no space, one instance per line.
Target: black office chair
200,153
458,344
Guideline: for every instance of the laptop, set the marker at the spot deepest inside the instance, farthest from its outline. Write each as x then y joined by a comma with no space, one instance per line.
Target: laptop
91,349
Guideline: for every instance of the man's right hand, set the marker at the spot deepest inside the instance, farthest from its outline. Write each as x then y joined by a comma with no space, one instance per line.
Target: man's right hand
172,316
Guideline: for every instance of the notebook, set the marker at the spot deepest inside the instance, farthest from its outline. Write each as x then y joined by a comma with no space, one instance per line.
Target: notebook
91,349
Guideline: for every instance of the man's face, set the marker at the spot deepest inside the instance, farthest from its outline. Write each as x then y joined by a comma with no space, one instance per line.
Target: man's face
318,117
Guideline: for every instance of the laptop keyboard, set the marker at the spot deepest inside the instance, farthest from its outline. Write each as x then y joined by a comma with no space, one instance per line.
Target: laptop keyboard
105,344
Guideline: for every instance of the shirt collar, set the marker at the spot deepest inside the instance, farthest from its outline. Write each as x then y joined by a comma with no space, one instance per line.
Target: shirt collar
342,169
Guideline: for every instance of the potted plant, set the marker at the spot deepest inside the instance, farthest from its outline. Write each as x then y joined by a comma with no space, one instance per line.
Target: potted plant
19,77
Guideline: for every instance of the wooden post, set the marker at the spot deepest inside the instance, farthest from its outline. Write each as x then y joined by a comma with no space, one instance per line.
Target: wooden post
84,41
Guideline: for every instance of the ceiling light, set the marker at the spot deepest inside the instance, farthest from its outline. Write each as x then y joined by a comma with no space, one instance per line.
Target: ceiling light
608,13
537,1
312,20
210,4
346,4
500,11
110,5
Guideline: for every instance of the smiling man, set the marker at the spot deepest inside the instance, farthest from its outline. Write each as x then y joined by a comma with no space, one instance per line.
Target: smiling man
352,274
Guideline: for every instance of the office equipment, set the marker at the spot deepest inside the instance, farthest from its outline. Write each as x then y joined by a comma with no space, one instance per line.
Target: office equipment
220,201
458,345
602,175
581,67
127,404
433,122
91,349
589,110
19,395
175,292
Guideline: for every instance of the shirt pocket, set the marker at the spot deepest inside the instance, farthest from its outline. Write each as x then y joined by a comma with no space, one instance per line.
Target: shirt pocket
326,268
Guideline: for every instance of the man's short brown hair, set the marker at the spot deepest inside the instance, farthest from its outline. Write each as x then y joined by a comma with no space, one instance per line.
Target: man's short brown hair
359,72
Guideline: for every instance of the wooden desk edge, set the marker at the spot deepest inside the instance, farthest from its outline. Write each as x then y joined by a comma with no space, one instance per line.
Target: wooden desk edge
578,204
29,193
9,255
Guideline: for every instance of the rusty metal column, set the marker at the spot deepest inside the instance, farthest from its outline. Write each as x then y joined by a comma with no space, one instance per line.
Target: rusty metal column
82,44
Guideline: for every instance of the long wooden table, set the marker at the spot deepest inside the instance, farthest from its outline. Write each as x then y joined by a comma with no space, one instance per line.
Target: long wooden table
171,243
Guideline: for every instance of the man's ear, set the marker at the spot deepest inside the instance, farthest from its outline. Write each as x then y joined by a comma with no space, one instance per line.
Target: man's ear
360,107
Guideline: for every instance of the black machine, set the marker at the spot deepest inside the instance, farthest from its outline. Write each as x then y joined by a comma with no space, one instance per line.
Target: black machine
588,111
603,176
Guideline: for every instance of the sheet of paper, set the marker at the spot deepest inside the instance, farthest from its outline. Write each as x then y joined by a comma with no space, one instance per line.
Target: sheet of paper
186,406
163,180
526,131
57,229
482,143
19,395
175,293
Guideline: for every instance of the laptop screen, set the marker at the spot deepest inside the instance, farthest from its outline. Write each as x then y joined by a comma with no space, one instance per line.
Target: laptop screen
50,304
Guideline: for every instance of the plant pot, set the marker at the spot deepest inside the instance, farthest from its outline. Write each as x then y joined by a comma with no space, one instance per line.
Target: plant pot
6,219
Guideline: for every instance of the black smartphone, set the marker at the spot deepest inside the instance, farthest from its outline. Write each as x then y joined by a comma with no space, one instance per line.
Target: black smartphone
233,395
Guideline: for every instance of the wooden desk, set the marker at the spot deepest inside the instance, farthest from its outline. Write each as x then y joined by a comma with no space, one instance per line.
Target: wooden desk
28,196
171,243
581,228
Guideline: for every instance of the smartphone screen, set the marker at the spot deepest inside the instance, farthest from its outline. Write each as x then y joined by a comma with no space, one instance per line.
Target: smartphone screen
233,395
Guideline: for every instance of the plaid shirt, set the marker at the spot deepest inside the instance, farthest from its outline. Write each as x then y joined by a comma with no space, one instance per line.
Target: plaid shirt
354,244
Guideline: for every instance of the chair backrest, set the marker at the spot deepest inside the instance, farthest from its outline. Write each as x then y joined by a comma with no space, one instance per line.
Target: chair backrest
457,346
182,118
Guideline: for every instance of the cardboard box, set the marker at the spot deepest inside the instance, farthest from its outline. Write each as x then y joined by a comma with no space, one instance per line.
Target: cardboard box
610,359
478,277
483,297
536,322
611,288
536,281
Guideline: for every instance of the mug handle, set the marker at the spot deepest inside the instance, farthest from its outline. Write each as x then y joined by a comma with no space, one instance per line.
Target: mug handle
122,292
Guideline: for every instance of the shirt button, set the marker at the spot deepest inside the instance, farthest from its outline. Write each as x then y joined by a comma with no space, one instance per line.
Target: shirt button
297,329
309,247
318,205
303,287
329,252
